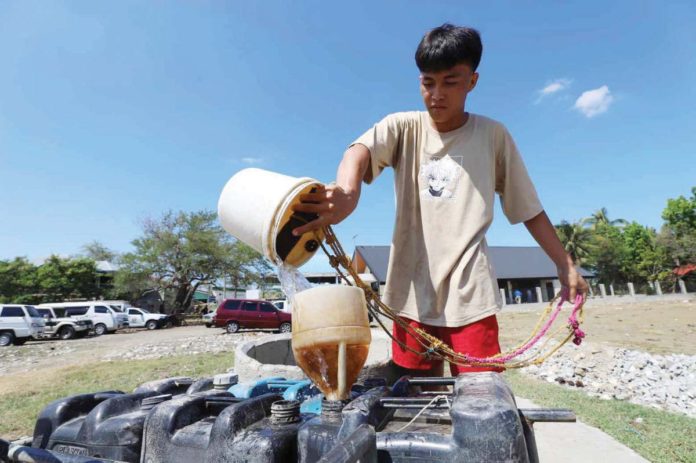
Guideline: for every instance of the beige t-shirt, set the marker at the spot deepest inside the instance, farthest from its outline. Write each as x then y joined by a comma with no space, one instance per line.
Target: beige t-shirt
439,270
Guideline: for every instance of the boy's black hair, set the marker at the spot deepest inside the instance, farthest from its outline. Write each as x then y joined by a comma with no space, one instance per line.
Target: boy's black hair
446,46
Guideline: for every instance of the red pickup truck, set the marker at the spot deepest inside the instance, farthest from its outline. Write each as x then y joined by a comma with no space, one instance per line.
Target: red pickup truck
233,314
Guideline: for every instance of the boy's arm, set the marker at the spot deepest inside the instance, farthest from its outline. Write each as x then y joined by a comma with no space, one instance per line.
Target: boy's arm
336,201
544,233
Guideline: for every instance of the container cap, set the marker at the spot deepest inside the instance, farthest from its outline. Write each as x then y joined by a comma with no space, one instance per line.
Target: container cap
225,380
285,411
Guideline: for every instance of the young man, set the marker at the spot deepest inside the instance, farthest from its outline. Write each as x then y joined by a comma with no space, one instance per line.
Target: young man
448,164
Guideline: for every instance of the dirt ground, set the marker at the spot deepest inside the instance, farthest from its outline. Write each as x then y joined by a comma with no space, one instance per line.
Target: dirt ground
656,326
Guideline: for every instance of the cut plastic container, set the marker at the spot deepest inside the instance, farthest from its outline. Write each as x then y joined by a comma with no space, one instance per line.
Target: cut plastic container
331,336
255,207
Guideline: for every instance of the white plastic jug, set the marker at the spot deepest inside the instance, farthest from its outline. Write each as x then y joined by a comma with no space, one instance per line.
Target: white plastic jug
331,336
256,207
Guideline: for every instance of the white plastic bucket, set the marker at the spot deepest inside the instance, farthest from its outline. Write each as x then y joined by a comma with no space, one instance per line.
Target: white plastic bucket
256,208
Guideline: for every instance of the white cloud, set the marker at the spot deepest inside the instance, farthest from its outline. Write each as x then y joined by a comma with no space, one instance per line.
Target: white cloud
593,102
251,160
553,87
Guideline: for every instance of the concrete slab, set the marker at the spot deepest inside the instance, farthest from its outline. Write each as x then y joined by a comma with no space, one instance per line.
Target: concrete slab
577,442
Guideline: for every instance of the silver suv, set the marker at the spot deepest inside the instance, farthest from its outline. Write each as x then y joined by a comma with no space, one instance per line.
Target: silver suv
61,326
19,323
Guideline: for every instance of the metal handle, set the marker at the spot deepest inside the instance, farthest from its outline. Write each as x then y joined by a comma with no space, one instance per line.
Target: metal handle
548,415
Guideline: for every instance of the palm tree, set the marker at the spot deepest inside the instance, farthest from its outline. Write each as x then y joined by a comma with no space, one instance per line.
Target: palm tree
576,240
602,217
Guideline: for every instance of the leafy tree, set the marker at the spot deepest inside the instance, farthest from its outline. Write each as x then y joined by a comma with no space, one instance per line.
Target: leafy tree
181,251
60,278
131,280
607,253
244,266
576,240
601,217
678,235
680,213
644,259
97,251
18,281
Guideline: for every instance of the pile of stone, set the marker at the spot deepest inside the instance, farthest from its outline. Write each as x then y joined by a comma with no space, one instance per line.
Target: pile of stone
662,381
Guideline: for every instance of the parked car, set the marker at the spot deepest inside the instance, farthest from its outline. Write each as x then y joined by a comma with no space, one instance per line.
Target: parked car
118,309
208,318
283,305
19,323
233,314
60,326
141,318
105,318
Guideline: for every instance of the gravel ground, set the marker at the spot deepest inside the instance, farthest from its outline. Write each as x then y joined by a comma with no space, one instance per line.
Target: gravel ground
666,382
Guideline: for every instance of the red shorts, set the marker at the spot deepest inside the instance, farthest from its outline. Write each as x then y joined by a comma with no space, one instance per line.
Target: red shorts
478,339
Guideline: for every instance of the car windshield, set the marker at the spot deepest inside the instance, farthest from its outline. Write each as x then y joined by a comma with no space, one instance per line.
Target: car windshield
145,311
32,311
45,312
115,307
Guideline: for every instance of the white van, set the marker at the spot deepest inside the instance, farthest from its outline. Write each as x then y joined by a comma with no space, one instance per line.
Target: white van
118,308
104,318
19,323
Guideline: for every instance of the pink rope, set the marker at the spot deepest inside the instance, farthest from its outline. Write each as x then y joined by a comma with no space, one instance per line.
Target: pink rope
572,321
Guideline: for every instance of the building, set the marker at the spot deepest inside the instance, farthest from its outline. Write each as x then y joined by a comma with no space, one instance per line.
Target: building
517,268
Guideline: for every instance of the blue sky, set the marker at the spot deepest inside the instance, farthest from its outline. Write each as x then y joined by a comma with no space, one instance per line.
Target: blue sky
111,112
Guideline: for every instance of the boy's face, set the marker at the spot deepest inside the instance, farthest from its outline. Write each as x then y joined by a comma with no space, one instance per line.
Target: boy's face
444,92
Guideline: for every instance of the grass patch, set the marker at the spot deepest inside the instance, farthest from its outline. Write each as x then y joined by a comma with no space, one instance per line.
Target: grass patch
660,437
19,409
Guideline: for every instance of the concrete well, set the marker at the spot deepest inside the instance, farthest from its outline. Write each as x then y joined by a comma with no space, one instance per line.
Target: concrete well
272,356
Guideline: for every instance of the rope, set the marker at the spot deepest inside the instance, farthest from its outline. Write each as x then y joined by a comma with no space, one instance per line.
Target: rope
434,347
436,398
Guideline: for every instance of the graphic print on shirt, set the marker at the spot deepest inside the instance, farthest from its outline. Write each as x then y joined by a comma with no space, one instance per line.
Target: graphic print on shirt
439,177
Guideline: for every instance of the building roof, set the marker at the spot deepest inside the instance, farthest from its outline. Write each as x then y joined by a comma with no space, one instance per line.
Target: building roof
509,262
106,267
377,259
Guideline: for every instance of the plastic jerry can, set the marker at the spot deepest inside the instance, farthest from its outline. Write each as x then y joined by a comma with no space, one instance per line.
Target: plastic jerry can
477,421
222,430
338,421
112,430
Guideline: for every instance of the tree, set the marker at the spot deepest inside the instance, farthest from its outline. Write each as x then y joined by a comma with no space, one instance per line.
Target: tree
606,253
601,217
244,266
97,251
644,259
678,234
575,239
680,213
177,253
18,281
60,279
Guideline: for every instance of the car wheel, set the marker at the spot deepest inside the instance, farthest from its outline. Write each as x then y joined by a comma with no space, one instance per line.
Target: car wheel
66,332
208,325
99,329
6,339
20,341
232,327
285,328
151,325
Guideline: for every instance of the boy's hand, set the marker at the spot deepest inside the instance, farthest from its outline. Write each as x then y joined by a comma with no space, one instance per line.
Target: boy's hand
331,202
571,279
